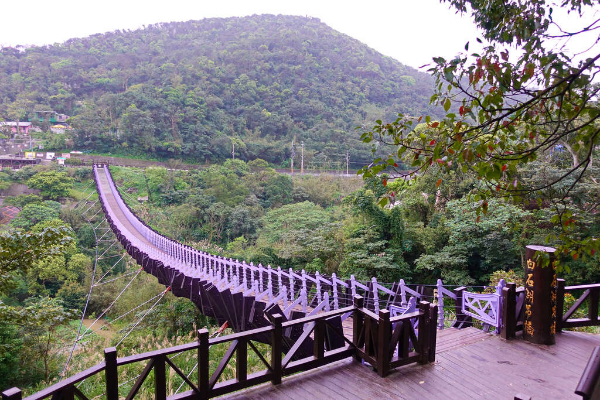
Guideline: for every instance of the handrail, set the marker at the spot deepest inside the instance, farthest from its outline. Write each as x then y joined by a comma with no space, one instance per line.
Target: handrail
582,287
60,386
382,357
589,383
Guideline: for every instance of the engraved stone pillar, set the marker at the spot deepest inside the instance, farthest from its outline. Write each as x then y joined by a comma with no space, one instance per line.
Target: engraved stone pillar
539,324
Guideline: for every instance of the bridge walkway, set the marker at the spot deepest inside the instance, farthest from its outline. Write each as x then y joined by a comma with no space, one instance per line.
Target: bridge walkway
112,203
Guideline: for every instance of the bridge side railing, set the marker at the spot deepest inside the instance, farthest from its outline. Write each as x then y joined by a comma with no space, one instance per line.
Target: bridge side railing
383,342
300,287
513,300
590,296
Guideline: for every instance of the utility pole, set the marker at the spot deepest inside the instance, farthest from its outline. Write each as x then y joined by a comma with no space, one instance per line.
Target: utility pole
347,162
302,159
292,157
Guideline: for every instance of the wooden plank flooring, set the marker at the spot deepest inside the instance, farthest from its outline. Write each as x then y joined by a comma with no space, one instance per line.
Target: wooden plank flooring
470,364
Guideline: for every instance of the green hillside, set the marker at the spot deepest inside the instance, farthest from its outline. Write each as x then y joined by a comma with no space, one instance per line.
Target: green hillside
187,89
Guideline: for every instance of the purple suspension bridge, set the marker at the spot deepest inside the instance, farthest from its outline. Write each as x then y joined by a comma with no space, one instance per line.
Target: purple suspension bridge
305,320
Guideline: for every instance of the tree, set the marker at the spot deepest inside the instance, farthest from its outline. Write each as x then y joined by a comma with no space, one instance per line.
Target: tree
519,99
285,229
38,322
33,214
138,128
52,184
279,190
20,250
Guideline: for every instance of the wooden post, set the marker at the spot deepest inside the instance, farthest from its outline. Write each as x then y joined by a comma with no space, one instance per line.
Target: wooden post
241,360
357,324
68,393
462,321
560,303
403,302
335,292
160,378
433,314
440,307
12,394
276,348
319,338
203,371
111,374
539,325
424,322
375,294
593,305
383,343
509,308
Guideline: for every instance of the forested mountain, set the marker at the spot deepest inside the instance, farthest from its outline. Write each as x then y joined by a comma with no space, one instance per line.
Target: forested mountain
188,89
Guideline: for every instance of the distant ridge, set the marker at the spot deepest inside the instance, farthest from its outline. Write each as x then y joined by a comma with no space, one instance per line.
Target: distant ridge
188,89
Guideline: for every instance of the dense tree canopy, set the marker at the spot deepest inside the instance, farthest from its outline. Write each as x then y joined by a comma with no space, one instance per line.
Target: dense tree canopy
524,96
191,89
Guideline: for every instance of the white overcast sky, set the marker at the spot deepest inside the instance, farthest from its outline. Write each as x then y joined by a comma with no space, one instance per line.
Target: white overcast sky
411,31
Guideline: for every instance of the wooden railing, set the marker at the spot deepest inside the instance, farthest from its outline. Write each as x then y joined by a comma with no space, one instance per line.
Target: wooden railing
383,342
388,343
513,299
589,383
591,294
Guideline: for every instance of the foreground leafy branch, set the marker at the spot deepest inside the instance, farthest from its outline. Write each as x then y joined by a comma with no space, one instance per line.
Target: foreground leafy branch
520,99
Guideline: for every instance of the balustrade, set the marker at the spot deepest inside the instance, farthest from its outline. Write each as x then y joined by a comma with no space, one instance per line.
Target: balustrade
383,342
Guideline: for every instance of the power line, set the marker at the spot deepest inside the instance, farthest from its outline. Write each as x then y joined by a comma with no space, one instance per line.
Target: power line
143,316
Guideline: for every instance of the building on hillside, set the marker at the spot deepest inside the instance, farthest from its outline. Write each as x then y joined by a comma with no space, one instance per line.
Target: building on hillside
50,116
13,127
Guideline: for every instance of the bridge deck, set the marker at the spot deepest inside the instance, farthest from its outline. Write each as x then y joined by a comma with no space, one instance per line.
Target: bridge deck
113,205
469,364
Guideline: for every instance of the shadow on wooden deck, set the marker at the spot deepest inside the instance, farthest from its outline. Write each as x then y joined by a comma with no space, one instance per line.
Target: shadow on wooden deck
470,364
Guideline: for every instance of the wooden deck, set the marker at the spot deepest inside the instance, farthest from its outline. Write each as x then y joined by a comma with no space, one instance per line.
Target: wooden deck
470,364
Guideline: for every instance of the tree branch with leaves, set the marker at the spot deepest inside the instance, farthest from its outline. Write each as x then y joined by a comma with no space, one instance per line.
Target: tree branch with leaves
521,98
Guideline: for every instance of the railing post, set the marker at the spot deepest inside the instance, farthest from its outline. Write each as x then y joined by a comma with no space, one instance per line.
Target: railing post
383,343
593,305
501,285
276,348
433,314
319,338
560,303
375,294
402,293
462,321
335,292
424,321
203,371
160,378
241,362
440,299
357,324
111,374
509,309
12,394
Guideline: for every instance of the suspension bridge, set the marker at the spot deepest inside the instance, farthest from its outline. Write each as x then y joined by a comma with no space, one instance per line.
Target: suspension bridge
314,321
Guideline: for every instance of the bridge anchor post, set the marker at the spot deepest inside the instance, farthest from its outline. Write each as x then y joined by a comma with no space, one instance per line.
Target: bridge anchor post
539,317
